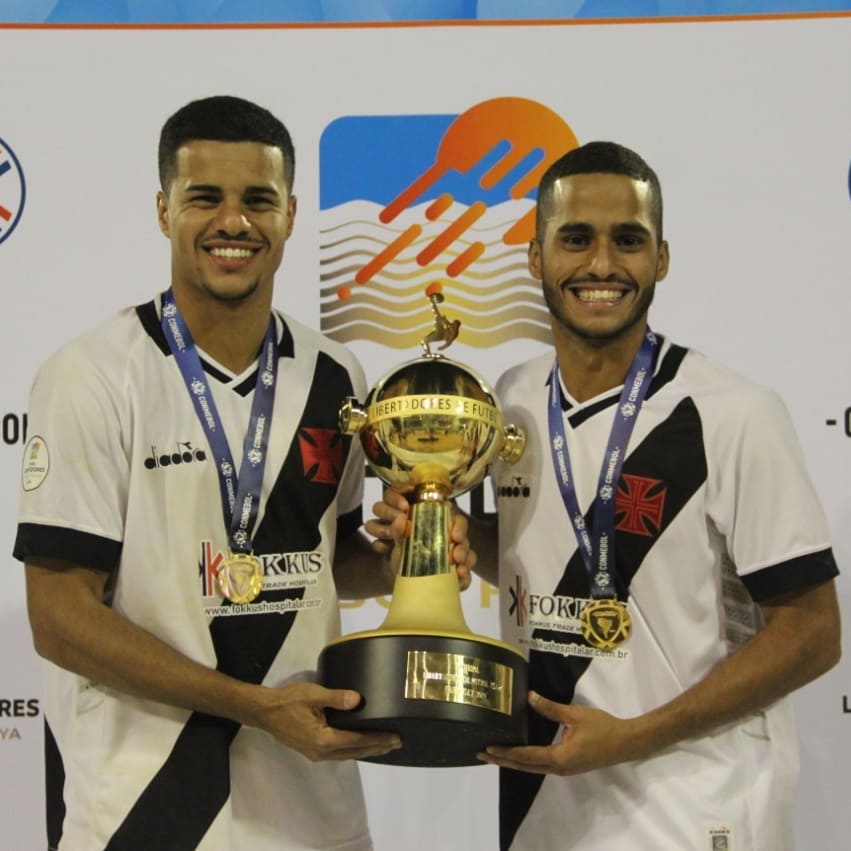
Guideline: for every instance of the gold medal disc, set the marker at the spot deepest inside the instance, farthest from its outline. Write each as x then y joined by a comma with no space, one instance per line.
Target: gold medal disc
240,577
606,623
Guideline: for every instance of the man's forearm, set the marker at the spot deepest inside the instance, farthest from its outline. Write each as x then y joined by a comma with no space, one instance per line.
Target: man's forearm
360,572
799,642
75,631
484,538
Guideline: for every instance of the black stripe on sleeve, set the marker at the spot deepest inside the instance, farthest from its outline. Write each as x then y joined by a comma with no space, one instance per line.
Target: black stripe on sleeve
38,540
793,575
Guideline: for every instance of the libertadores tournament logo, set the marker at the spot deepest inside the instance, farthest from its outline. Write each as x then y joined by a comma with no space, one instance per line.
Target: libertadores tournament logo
13,191
413,199
36,463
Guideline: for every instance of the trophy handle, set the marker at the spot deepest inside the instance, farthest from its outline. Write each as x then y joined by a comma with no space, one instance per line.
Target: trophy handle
514,442
352,416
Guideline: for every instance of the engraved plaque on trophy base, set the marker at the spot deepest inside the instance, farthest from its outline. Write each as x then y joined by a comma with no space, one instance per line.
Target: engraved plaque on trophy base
447,696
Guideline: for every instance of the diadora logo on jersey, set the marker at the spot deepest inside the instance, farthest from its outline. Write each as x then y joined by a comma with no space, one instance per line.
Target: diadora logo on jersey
321,454
13,191
516,488
640,505
182,452
280,570
421,198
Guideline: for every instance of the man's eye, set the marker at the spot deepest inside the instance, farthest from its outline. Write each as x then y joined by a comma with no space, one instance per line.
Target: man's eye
575,240
258,202
630,242
204,200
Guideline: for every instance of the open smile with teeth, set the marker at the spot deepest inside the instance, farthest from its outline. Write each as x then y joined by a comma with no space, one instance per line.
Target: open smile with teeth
232,253
598,295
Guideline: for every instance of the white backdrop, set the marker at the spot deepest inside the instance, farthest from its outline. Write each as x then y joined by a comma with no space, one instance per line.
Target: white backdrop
747,124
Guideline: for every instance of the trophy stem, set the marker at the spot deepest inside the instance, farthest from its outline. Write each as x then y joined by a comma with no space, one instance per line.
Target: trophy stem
427,551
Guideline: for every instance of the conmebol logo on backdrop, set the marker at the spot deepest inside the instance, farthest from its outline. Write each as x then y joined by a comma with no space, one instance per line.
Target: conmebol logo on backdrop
12,191
413,199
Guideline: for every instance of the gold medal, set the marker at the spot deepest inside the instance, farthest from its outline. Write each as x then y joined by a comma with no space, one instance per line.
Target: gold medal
606,623
240,577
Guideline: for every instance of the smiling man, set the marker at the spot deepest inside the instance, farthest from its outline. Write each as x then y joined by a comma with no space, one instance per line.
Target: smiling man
666,564
187,541
690,587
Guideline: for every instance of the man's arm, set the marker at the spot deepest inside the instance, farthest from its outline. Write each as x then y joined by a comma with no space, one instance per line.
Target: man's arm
360,571
484,534
74,629
800,641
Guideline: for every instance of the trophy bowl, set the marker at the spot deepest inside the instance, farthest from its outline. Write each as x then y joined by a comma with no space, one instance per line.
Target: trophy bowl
430,428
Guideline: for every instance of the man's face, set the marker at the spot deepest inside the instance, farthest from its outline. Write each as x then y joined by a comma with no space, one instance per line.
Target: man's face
598,257
228,214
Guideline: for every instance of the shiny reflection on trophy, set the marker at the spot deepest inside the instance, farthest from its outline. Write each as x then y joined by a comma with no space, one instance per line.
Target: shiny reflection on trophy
430,428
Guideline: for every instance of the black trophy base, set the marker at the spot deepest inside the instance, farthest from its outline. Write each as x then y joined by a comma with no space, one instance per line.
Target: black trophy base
447,696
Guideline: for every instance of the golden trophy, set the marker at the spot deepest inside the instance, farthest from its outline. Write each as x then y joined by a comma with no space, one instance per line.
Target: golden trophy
430,428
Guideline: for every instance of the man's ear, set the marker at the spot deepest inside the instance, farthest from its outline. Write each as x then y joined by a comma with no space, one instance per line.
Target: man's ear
534,259
162,214
292,208
662,261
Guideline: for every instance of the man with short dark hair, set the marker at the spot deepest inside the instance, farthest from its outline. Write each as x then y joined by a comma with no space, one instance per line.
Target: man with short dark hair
190,514
665,564
690,587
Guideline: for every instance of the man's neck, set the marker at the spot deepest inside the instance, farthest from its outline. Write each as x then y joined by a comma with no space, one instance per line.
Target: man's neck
589,368
230,333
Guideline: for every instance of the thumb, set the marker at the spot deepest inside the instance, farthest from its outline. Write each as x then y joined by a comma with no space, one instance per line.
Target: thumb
548,708
341,699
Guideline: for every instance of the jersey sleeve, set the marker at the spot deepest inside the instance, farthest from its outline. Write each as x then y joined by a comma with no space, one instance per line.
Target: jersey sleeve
75,469
764,503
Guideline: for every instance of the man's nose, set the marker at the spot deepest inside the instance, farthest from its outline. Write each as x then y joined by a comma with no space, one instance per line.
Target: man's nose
601,264
231,219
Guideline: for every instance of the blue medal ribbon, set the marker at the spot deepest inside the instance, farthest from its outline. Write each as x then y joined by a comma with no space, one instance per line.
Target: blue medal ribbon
240,495
598,547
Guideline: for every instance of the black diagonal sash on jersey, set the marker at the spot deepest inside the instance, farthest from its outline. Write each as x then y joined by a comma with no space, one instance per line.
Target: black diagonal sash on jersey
183,799
673,453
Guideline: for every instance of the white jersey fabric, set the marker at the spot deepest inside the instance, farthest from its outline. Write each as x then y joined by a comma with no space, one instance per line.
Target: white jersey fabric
714,511
118,476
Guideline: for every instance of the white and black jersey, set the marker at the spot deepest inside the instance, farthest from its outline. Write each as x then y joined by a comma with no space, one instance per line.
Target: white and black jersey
118,476
715,512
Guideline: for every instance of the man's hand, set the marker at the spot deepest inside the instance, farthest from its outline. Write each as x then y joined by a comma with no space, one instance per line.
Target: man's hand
391,525
590,739
799,642
295,716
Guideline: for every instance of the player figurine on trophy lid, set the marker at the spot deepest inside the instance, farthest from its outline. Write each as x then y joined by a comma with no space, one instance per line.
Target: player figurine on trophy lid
430,428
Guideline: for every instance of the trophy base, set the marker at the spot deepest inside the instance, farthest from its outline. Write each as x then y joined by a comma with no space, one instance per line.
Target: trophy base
447,696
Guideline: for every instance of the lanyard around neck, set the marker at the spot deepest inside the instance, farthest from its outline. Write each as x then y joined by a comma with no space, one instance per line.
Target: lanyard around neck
597,547
240,496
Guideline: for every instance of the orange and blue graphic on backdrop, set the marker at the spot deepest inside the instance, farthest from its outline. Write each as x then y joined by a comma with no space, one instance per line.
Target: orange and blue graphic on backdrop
410,201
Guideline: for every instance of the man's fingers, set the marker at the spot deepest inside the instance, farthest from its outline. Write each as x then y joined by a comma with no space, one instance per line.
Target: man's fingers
355,744
535,760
